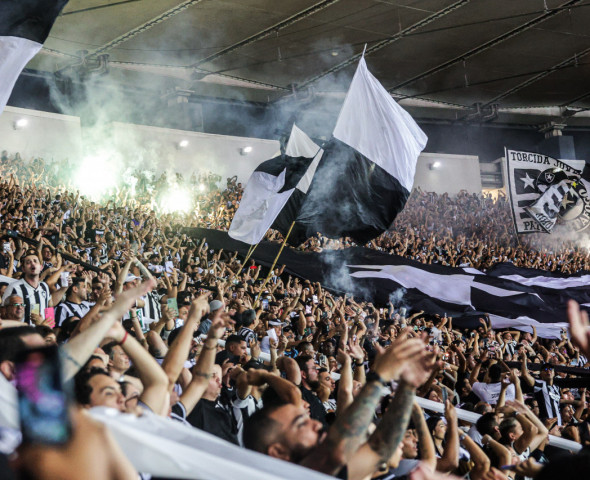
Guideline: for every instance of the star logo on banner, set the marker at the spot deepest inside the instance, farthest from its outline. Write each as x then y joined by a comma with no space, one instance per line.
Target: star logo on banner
574,184
528,181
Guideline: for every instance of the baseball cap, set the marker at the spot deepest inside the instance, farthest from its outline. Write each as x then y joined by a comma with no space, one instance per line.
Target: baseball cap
276,323
215,305
131,277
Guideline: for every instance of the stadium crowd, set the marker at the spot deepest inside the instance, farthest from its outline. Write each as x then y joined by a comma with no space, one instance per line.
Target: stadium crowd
137,310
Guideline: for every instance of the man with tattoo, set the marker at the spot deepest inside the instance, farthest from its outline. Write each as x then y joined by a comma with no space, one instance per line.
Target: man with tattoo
287,432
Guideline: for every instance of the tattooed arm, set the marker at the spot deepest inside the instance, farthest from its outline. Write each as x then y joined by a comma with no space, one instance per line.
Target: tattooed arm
347,433
349,430
427,451
386,437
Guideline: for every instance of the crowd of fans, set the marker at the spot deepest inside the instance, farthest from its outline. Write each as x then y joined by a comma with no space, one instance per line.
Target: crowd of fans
151,322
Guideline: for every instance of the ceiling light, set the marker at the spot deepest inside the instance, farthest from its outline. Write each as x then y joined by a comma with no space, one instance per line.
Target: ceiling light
335,53
20,123
435,165
183,143
246,150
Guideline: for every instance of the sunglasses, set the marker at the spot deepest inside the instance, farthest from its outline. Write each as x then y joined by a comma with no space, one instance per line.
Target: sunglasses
17,305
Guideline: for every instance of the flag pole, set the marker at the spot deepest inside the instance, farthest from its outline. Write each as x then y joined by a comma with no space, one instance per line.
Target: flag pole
273,264
250,252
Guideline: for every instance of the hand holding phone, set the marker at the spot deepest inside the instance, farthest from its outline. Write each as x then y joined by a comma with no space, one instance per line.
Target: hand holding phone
42,401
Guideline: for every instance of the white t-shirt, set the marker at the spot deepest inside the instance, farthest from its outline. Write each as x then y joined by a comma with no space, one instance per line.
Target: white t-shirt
490,392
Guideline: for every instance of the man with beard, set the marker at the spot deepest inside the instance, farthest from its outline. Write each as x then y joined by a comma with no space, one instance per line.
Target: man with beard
287,432
310,382
30,288
76,303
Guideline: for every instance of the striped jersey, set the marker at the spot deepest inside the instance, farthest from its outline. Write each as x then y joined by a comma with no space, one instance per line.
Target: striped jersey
32,296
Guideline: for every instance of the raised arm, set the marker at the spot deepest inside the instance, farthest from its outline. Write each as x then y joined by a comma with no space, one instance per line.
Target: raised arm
450,459
480,460
155,382
344,396
345,436
79,349
525,374
541,431
178,353
204,366
427,451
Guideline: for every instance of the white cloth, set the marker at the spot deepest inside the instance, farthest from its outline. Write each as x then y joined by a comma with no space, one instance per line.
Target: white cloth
263,199
15,53
490,392
374,125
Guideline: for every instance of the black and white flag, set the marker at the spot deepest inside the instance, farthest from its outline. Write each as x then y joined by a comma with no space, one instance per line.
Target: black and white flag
270,188
545,191
24,27
367,171
513,297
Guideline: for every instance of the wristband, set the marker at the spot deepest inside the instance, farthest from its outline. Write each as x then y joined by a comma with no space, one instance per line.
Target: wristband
124,338
375,377
209,348
361,364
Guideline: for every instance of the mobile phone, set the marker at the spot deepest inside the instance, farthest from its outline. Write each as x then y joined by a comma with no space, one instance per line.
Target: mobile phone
63,279
42,400
35,308
6,247
173,305
50,316
508,467
139,313
402,311
445,395
234,295
264,304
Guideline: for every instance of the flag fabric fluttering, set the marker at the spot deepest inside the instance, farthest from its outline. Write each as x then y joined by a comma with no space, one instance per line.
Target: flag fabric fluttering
513,297
545,191
367,171
24,27
270,188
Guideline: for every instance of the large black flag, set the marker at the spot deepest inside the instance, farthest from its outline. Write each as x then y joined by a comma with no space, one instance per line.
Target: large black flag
513,297
24,27
367,171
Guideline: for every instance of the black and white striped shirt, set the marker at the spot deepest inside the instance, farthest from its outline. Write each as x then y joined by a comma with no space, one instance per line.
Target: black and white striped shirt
68,309
548,397
152,310
242,410
31,296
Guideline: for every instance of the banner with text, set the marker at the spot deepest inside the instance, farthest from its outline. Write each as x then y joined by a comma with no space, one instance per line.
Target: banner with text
545,191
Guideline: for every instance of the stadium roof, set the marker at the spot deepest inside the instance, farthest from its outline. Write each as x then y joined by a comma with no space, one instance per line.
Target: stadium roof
448,59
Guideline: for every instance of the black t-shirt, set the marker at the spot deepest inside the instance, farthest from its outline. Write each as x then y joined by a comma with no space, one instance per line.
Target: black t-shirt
316,407
213,418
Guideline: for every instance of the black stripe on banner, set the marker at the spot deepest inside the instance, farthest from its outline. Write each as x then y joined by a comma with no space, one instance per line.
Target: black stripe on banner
30,19
507,268
351,196
288,215
296,168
